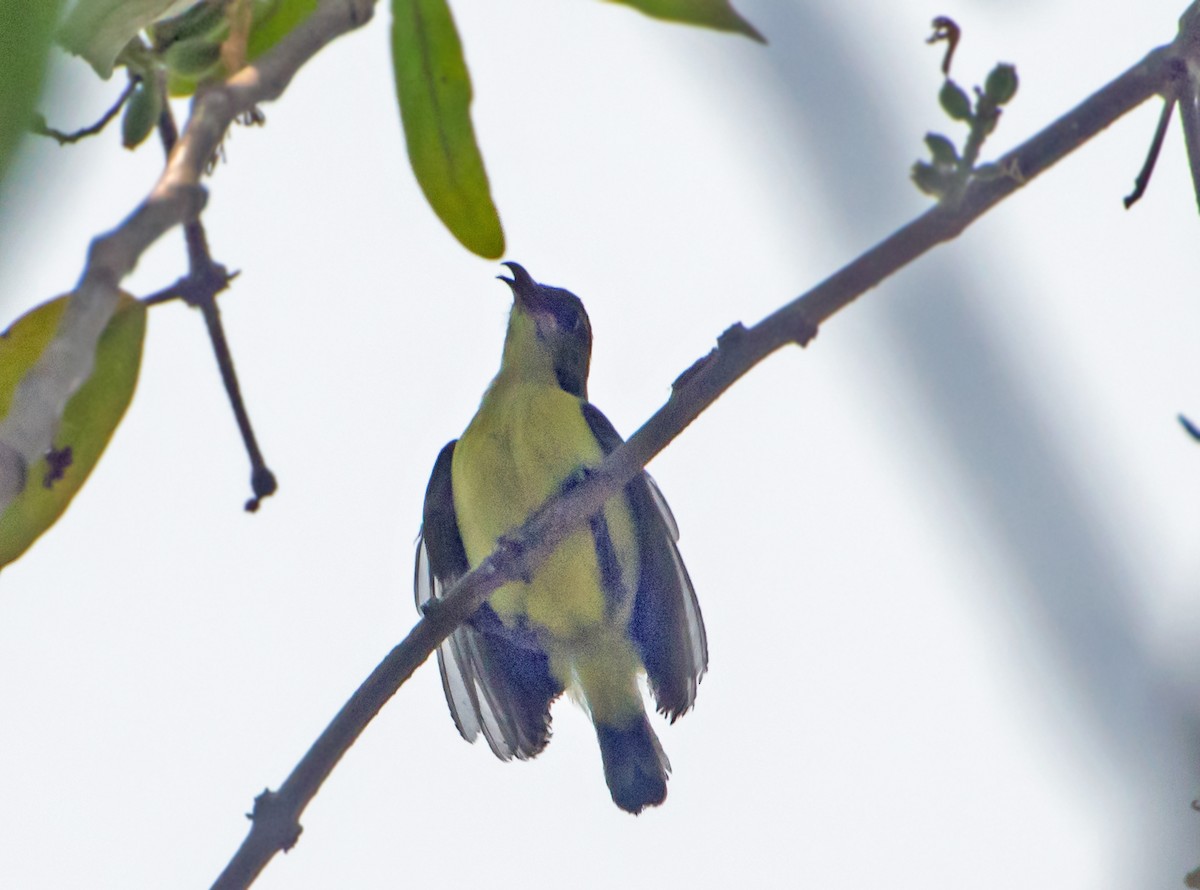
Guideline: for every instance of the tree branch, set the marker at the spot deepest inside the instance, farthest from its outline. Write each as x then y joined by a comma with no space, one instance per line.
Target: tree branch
27,432
275,820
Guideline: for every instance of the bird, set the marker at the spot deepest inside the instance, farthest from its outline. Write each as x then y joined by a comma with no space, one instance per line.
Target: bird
613,602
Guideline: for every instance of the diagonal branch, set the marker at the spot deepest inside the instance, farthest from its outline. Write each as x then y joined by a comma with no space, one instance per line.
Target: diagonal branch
27,432
275,820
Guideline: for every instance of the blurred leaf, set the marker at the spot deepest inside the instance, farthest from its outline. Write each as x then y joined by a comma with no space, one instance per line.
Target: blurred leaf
98,30
434,90
930,179
274,20
200,31
141,114
193,58
88,422
954,101
718,14
942,149
26,29
179,86
1001,84
203,18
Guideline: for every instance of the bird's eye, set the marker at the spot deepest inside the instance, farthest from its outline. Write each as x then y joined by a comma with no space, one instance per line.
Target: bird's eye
568,318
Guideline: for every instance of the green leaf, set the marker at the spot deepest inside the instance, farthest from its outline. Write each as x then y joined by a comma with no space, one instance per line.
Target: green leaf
942,149
718,14
193,58
434,90
88,422
179,85
931,180
954,101
26,29
1001,84
141,114
200,20
98,30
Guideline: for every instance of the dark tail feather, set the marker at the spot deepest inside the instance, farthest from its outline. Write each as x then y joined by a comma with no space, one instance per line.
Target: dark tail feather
635,765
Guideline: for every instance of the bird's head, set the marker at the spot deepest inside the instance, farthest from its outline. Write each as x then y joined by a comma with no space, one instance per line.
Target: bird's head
549,334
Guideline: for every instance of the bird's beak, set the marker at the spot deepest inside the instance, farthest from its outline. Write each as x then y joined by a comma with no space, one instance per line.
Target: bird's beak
525,290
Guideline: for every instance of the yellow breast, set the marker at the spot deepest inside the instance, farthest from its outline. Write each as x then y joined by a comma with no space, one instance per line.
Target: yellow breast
525,442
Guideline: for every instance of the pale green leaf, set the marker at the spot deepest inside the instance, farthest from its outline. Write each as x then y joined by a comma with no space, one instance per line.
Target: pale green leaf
434,90
88,422
97,30
718,14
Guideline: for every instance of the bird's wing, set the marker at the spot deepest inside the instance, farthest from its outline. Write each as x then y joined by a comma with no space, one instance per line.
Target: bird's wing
666,623
496,679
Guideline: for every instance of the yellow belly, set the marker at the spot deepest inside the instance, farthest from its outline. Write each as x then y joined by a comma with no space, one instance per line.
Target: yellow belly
523,444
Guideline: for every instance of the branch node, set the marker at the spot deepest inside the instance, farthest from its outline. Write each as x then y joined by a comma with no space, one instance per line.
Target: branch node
361,12
273,818
510,557
804,330
731,335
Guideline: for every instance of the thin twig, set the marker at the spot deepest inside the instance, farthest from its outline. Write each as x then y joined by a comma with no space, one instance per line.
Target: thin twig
1160,133
43,129
275,821
262,480
207,278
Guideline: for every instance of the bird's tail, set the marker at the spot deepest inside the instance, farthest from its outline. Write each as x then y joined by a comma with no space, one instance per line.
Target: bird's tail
635,765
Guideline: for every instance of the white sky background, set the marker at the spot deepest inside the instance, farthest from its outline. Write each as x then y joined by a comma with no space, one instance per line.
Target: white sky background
947,555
